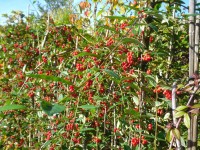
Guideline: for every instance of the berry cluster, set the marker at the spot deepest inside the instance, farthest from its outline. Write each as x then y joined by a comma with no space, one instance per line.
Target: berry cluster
158,89
146,57
101,88
71,88
96,140
150,126
160,112
80,67
44,59
168,94
109,42
88,84
130,58
86,49
90,97
31,94
71,126
135,141
48,135
123,25
125,66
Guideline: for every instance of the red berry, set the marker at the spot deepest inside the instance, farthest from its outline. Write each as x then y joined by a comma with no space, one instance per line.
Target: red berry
151,39
134,141
137,126
160,112
144,142
148,71
109,42
178,92
150,126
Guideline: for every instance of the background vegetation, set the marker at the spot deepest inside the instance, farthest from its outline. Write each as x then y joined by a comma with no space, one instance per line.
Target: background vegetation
96,76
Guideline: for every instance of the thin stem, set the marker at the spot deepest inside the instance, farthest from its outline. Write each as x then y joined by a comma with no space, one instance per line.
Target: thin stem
156,121
178,143
28,78
74,120
179,121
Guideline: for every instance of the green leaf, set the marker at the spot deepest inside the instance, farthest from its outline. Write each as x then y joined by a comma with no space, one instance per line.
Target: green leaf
153,27
112,73
100,12
60,97
49,78
191,15
117,17
12,107
65,99
179,108
196,106
132,40
169,135
176,133
161,136
136,100
132,7
151,80
89,38
126,147
87,129
132,112
198,143
88,107
46,144
157,103
179,114
167,116
158,16
85,54
34,1
182,141
51,109
186,120
135,86
109,28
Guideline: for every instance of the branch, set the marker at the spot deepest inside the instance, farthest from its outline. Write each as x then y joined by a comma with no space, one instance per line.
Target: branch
179,121
174,87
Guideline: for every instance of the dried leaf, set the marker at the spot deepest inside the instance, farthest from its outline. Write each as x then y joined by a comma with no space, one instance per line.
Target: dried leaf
195,111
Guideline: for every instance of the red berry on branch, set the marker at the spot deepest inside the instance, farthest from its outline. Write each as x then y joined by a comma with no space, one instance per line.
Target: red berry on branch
148,71
150,127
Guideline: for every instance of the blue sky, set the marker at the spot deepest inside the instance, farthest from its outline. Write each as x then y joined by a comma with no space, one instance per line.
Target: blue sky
6,6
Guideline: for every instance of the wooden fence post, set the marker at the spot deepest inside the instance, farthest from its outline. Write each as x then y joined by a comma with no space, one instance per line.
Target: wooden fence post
193,67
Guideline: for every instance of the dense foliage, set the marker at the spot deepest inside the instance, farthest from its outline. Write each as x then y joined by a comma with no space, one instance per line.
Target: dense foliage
102,81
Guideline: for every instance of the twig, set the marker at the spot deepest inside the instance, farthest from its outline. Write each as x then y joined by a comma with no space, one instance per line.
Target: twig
178,143
179,121
28,78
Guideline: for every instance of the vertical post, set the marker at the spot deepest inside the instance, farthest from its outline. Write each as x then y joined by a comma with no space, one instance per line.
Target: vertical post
191,37
194,119
196,44
191,59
